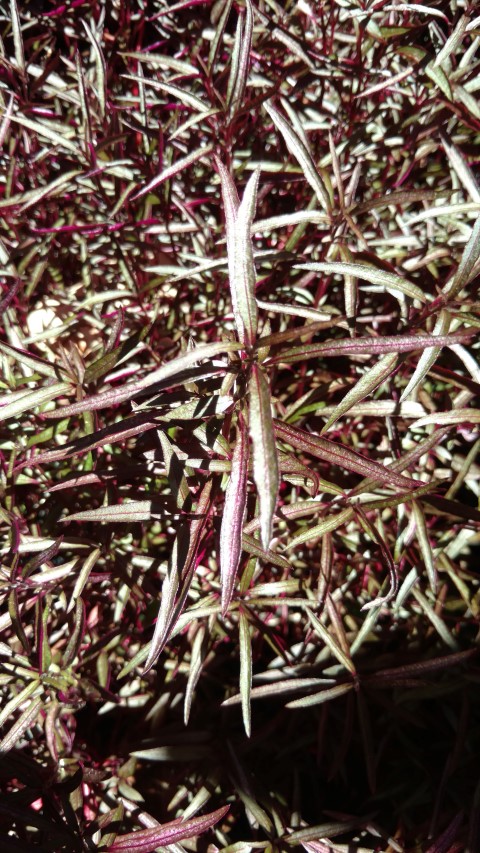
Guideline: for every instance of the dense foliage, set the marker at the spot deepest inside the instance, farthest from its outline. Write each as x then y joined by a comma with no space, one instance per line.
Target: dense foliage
239,426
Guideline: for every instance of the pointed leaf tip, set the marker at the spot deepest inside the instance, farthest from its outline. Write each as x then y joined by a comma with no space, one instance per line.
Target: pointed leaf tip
265,459
233,514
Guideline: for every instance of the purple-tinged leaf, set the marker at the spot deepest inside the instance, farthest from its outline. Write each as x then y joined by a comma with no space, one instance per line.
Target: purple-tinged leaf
241,266
233,515
147,840
171,370
174,169
265,459
338,454
368,346
444,842
39,365
245,642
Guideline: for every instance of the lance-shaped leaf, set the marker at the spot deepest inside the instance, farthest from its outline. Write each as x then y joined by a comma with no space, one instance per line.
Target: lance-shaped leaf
181,569
369,345
169,371
370,380
33,398
240,60
147,840
174,169
389,280
265,459
465,270
429,356
338,454
425,546
20,727
304,157
241,266
128,512
245,670
233,514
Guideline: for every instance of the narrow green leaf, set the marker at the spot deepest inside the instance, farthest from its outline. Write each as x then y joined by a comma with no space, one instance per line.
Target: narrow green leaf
217,39
129,512
240,62
196,665
265,459
425,547
456,416
34,398
323,696
389,280
47,132
367,383
328,525
174,169
245,670
326,636
428,357
180,571
304,157
174,469
23,723
435,619
233,514
278,688
466,267
18,700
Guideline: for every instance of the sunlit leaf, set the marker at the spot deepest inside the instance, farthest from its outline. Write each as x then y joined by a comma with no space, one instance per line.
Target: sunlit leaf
233,514
265,459
245,670
169,371
297,147
241,266
372,274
